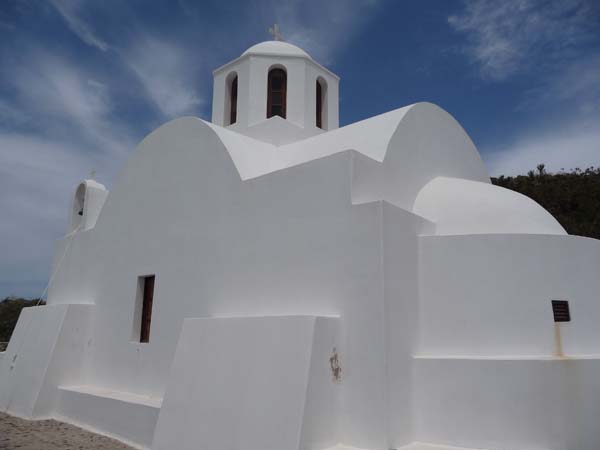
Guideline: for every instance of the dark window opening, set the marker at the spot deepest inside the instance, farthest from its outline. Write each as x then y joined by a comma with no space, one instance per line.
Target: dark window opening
277,92
560,309
233,101
148,297
319,105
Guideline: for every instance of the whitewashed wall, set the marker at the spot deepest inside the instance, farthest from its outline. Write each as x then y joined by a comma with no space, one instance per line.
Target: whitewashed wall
318,237
490,294
508,404
254,382
287,244
48,347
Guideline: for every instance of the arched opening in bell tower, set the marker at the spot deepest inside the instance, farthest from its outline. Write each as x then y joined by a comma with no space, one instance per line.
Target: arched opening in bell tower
321,104
77,210
231,99
277,92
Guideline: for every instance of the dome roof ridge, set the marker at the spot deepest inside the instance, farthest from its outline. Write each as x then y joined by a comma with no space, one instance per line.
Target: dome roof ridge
277,48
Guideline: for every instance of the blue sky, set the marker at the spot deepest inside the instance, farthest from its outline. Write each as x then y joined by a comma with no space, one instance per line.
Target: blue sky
81,82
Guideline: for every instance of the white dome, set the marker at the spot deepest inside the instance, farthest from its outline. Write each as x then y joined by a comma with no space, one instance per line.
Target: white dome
278,48
459,206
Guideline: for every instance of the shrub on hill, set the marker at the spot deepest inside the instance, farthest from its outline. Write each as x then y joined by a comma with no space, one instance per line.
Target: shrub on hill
573,197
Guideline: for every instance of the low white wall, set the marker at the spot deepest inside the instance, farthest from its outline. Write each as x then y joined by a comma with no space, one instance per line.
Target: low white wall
508,404
256,383
70,357
27,357
46,348
491,294
124,418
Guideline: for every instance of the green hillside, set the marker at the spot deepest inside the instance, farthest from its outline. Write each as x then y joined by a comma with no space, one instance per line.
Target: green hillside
572,197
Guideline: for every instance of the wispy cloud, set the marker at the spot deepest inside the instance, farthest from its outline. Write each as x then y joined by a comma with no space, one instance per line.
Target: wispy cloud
575,89
63,98
37,177
65,112
510,36
166,73
566,147
71,11
555,42
66,130
11,116
165,70
322,28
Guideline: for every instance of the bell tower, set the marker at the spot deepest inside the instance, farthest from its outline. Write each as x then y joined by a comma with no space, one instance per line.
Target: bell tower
275,92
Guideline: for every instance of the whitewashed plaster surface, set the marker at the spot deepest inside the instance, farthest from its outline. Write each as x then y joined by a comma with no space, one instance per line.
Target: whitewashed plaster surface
272,242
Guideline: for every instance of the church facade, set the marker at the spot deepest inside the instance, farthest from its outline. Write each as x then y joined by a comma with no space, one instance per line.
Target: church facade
271,281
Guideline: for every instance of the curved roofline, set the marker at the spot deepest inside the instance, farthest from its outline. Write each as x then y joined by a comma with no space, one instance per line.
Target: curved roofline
458,206
277,48
370,137
396,152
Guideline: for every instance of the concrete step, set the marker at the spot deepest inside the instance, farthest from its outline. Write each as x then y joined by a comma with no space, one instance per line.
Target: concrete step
425,446
413,446
126,416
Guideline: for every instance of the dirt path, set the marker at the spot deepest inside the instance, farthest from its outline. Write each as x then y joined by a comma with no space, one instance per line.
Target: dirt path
19,434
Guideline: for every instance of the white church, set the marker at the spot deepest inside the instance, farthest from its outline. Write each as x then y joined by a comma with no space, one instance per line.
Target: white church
270,281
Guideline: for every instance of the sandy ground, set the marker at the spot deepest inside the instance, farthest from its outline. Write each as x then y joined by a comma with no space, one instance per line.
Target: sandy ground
19,434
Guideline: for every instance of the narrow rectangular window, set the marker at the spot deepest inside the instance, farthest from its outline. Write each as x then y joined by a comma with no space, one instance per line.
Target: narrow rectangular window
560,309
319,106
147,286
233,106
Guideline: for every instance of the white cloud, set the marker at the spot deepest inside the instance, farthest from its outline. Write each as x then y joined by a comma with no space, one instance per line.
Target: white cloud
70,10
167,74
70,131
59,121
575,89
565,146
11,116
567,138
61,96
168,70
509,36
321,28
37,178
546,39
163,69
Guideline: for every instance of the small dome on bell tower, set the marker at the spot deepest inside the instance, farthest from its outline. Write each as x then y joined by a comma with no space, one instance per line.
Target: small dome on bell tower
275,92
